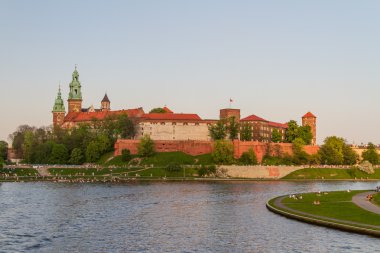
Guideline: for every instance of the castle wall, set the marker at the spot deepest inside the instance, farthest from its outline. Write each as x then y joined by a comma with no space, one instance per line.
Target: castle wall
167,130
192,147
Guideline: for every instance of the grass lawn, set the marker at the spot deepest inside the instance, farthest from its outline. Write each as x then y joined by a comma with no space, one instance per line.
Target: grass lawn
105,157
19,172
327,173
336,205
165,158
376,199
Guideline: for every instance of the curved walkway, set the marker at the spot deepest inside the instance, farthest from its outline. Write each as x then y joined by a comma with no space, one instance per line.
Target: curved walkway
361,201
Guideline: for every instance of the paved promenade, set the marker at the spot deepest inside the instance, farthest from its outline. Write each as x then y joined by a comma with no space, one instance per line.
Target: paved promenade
361,201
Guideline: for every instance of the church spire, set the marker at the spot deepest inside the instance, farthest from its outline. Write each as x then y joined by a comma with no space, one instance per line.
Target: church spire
59,105
105,104
75,95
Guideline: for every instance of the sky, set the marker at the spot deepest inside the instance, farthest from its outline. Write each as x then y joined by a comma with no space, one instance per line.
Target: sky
275,59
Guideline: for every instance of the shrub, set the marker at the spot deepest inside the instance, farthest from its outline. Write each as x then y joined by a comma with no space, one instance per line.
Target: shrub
173,167
126,155
146,146
248,158
207,170
223,152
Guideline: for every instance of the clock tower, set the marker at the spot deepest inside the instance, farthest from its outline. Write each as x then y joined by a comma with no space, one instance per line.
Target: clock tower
75,95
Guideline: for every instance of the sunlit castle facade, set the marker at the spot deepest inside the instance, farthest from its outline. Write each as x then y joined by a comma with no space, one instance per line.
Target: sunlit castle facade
162,126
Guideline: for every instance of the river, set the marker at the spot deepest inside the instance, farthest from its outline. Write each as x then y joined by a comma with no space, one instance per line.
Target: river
165,217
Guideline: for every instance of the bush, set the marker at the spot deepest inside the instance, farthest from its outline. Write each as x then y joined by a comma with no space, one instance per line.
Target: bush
126,155
248,158
223,152
146,147
207,170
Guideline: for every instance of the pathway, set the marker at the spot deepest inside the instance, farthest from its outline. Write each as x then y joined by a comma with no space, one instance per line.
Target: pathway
361,201
43,171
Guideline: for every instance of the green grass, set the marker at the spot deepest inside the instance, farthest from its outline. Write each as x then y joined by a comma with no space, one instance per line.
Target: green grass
130,172
105,157
337,205
328,173
376,199
19,172
165,158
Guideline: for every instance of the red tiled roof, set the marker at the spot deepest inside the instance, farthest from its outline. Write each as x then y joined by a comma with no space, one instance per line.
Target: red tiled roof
170,116
278,125
101,115
253,118
167,110
308,115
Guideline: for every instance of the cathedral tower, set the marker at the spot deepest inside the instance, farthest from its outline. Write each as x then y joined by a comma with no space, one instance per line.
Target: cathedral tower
105,104
75,95
310,120
58,110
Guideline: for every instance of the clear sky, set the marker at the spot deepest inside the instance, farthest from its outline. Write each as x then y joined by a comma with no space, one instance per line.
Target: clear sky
276,59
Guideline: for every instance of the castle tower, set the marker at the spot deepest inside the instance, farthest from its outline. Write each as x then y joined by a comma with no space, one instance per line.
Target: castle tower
75,95
228,113
58,110
309,119
105,104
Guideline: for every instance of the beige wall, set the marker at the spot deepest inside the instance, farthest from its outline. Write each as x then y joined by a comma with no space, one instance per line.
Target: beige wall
169,131
258,172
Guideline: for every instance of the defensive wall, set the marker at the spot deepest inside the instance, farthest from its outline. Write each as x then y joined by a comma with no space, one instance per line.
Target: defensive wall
205,147
258,171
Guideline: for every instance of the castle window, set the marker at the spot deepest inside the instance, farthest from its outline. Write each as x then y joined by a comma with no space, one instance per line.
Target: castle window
185,124
197,124
162,123
174,123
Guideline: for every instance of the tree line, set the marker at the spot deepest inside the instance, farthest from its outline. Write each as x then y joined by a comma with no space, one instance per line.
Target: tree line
85,143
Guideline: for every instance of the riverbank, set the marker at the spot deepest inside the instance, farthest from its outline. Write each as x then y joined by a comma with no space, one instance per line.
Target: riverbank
331,209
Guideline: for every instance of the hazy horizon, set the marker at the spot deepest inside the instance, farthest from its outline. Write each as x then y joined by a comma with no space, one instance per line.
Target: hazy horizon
275,59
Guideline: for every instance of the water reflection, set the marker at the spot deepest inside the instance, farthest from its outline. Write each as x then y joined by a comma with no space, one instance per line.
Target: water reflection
164,217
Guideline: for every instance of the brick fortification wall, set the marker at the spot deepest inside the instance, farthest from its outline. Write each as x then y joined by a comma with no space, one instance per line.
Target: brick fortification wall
188,147
206,147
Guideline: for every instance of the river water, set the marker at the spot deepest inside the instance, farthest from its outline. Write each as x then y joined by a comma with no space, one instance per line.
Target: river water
165,217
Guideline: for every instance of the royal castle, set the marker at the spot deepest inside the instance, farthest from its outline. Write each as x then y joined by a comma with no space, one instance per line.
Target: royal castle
163,126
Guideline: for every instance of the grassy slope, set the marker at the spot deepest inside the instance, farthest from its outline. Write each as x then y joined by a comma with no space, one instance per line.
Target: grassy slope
327,173
163,159
334,205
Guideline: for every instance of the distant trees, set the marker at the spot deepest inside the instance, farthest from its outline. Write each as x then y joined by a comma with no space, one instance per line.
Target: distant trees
3,150
294,131
157,110
371,155
126,155
335,151
233,128
246,132
218,131
86,142
248,158
276,136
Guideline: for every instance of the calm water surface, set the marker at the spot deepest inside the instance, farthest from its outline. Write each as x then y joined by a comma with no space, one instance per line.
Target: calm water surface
164,217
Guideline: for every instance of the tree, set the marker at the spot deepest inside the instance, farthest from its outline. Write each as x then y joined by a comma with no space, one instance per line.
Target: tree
246,132
223,152
292,131
93,152
76,156
126,155
59,154
218,131
3,150
276,136
146,147
304,132
157,110
233,128
299,154
248,158
371,154
335,151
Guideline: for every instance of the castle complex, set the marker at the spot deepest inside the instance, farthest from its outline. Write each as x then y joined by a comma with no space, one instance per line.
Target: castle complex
167,126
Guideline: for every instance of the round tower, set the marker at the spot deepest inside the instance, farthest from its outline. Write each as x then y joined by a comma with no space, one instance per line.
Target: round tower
310,119
105,104
58,110
75,95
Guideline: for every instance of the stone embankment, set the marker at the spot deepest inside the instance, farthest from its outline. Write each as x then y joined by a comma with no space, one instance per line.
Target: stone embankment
258,172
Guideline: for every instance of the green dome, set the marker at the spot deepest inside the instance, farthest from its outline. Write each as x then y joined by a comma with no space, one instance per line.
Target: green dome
75,87
58,104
